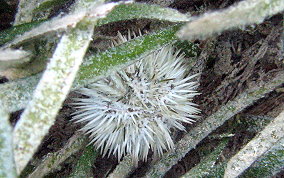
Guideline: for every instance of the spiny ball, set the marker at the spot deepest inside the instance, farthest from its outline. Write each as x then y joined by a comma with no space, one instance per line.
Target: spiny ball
134,110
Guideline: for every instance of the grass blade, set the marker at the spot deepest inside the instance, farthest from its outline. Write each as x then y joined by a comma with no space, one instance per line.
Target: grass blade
121,12
7,165
244,13
198,133
139,10
53,160
51,92
269,136
16,94
269,164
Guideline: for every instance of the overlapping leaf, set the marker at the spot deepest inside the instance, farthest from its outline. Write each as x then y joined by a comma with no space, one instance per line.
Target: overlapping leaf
16,94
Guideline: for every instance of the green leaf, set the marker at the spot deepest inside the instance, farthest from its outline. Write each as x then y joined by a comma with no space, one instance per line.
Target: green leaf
16,94
59,24
253,124
121,12
100,64
124,167
84,165
11,33
139,10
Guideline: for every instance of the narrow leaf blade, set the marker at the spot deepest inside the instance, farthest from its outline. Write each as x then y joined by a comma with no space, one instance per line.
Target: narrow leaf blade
148,11
16,94
7,165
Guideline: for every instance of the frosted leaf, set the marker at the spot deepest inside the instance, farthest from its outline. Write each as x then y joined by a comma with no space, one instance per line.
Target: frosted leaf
244,13
7,165
268,137
12,58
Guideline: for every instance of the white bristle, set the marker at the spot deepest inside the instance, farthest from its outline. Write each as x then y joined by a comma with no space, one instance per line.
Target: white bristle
133,110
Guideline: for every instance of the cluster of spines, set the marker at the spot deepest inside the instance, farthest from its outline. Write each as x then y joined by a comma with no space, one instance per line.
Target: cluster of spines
133,110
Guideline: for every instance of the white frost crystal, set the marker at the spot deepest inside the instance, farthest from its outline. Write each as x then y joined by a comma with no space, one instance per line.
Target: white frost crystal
134,110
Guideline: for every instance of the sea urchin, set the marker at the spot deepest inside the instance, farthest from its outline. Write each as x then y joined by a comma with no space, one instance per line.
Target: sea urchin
133,110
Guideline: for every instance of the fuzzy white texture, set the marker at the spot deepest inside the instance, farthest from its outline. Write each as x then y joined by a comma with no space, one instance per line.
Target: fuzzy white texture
134,110
7,165
241,14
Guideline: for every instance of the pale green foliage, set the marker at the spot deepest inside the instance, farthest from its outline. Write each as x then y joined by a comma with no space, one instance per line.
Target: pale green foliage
25,11
51,91
58,24
124,168
244,13
7,166
16,94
